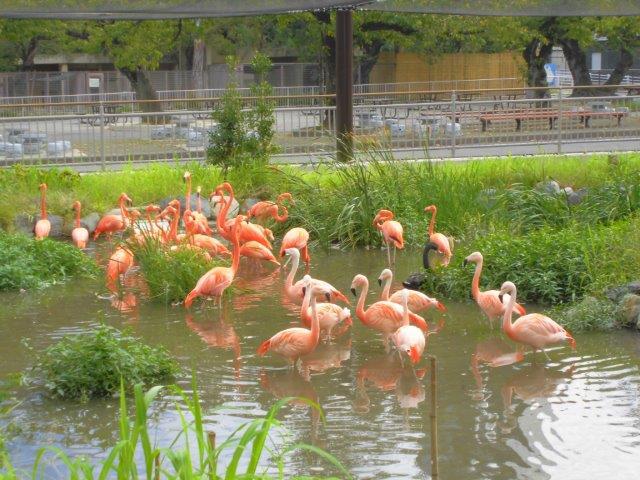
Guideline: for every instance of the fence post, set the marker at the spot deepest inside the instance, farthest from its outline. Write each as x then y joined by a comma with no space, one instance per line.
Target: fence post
102,120
453,124
560,120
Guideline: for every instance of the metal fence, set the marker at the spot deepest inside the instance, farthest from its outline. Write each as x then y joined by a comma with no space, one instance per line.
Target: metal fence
443,124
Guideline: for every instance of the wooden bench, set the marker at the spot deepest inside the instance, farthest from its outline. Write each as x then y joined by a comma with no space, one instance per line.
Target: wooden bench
546,114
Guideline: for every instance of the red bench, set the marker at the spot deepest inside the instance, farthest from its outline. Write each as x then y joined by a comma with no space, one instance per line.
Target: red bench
546,114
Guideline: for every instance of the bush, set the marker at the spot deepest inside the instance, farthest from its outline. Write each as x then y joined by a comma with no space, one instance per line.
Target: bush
93,364
29,263
590,313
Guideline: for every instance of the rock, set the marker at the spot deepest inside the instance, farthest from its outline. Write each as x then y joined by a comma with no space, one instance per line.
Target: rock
24,223
414,281
113,211
567,190
90,221
617,293
576,197
248,203
206,206
215,207
630,309
57,225
551,187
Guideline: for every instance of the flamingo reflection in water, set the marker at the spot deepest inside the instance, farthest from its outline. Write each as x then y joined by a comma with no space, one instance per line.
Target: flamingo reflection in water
495,352
534,382
253,289
218,334
386,373
326,357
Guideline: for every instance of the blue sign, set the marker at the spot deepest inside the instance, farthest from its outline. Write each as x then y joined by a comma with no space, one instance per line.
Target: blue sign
552,74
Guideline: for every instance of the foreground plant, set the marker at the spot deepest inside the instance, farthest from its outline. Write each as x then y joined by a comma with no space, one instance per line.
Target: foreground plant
192,454
92,364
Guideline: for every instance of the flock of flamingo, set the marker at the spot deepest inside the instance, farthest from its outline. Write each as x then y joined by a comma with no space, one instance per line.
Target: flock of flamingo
395,316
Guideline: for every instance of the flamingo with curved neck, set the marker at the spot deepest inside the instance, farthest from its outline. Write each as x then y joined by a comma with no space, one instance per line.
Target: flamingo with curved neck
329,314
79,234
391,231
408,339
533,330
110,224
224,209
43,226
489,300
418,301
295,291
437,241
267,209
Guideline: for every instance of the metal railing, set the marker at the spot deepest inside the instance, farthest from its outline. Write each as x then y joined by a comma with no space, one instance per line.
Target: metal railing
468,123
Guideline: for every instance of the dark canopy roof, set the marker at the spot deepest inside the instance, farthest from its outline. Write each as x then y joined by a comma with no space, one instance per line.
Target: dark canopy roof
159,9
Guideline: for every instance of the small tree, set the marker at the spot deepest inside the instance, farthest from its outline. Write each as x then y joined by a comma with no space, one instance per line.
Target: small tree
243,135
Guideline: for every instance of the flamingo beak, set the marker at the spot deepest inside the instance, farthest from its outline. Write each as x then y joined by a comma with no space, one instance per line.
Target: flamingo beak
500,296
414,354
327,296
380,281
441,307
353,291
465,262
304,291
348,321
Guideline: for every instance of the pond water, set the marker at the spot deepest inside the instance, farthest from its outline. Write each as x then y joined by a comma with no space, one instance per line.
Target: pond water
574,416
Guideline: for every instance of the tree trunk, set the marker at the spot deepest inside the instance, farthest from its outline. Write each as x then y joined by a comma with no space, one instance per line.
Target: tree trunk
328,62
536,54
144,91
577,61
198,64
371,52
624,63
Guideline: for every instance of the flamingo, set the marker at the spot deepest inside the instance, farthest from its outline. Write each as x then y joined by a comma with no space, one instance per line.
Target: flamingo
298,238
201,224
205,242
253,249
215,281
391,232
437,241
110,224
489,301
495,352
295,291
43,226
329,314
534,330
79,234
264,210
407,338
172,210
418,301
295,342
119,264
383,316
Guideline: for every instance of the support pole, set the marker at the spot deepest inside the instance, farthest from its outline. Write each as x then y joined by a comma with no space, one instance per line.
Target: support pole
344,85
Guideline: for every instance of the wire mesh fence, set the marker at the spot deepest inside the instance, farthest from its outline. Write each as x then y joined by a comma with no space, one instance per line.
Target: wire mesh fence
419,123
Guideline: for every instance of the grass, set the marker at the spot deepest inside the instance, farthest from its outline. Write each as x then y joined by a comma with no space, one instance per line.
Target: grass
29,264
198,458
93,364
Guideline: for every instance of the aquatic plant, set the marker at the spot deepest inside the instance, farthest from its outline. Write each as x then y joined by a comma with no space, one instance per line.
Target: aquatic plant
94,363
590,313
199,457
28,263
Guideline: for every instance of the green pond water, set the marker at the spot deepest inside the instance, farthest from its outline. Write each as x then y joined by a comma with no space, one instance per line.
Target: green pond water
575,416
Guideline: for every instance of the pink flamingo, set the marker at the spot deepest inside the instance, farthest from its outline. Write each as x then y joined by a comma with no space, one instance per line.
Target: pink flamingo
201,224
79,234
119,264
295,291
408,339
256,250
391,232
329,314
215,281
296,342
297,238
110,224
489,301
534,330
43,226
383,316
437,241
266,209
418,301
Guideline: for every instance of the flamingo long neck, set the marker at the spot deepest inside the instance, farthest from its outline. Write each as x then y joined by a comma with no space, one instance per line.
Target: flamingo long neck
199,204
405,310
173,228
77,225
315,322
235,255
123,210
360,311
43,204
507,327
285,214
387,288
475,284
432,222
226,205
187,198
292,273
304,312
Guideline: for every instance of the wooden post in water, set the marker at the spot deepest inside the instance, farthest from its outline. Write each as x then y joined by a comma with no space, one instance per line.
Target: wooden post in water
156,465
433,415
212,440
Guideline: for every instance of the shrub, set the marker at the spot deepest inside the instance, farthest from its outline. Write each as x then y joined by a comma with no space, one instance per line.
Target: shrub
29,263
93,364
590,313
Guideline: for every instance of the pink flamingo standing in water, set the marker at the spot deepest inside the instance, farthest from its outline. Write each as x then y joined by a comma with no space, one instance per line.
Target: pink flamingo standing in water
43,226
110,224
534,330
418,301
385,317
79,234
295,342
437,241
489,301
266,209
297,238
295,291
408,339
329,314
215,281
392,232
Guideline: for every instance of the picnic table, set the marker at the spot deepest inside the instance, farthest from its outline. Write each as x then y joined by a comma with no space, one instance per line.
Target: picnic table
552,115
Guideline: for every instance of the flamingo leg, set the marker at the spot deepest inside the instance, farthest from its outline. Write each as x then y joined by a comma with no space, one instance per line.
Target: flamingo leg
389,254
394,255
